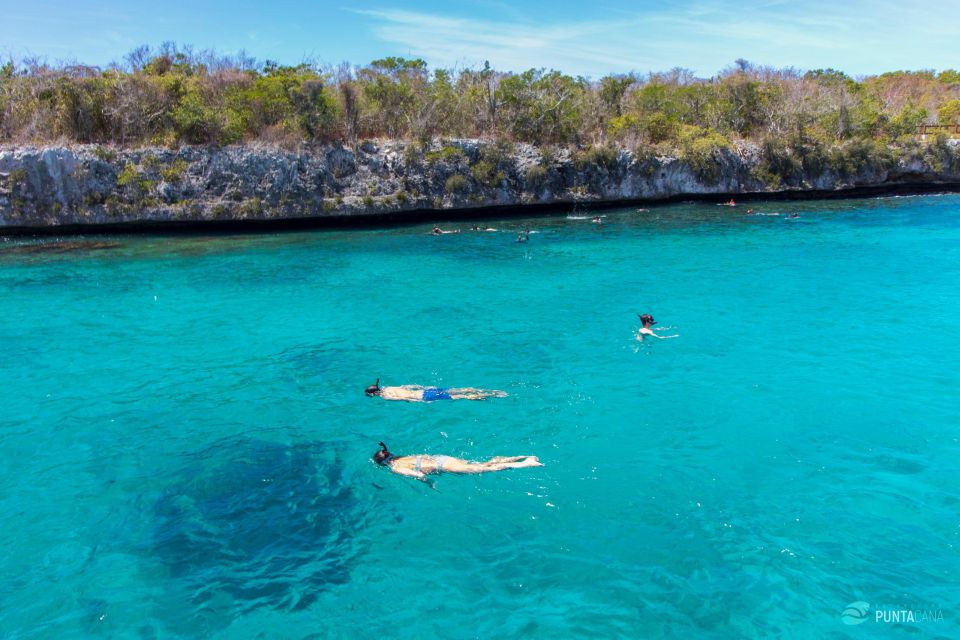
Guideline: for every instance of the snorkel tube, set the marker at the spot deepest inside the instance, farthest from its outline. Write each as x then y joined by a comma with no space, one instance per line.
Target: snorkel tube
374,389
382,456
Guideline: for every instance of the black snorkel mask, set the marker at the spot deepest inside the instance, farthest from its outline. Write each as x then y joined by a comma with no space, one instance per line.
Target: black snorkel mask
383,456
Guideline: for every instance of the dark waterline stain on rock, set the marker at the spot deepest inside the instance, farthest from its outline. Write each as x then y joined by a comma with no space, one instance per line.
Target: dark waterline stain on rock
59,247
271,527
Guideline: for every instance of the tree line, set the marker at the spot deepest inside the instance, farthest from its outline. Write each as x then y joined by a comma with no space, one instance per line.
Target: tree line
175,95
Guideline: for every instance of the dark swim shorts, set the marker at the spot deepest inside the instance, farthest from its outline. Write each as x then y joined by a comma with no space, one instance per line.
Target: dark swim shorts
435,393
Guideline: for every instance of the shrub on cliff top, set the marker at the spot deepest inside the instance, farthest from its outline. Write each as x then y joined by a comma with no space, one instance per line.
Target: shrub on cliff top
625,127
949,112
860,156
105,154
599,156
447,153
940,155
700,147
178,95
198,122
777,164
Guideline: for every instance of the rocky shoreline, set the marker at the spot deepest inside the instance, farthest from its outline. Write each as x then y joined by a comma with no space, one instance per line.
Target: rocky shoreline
90,188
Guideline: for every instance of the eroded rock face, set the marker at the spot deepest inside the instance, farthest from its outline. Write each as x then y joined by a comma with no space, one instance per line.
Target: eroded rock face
93,185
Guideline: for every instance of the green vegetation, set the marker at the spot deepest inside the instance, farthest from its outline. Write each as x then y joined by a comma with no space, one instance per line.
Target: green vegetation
457,183
16,177
114,208
177,95
128,175
490,170
173,173
150,161
251,207
949,112
135,181
487,174
445,154
601,156
105,154
803,123
535,176
702,149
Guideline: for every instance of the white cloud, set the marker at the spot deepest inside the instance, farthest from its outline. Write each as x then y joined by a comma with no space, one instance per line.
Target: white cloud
860,37
515,45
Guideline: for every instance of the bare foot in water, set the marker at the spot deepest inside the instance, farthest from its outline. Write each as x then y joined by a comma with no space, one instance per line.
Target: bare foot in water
524,461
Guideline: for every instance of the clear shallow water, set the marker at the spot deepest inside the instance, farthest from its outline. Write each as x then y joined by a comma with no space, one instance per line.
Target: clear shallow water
185,442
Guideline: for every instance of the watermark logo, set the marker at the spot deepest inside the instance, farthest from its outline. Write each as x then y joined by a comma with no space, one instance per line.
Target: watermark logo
859,612
855,613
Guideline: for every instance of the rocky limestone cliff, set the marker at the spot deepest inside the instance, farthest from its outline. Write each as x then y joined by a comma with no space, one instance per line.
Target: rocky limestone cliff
91,186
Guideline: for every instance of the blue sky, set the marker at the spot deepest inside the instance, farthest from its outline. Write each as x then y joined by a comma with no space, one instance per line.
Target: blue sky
589,38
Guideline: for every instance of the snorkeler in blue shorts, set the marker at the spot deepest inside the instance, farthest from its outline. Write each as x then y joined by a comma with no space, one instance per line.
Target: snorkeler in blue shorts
419,393
436,393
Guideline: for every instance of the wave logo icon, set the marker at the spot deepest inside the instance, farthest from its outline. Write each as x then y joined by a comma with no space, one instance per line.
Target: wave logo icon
855,613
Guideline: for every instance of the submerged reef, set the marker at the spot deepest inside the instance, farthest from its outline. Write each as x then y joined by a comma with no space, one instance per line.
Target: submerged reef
255,524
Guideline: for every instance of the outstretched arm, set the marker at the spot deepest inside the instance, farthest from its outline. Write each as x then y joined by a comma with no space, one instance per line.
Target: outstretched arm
643,333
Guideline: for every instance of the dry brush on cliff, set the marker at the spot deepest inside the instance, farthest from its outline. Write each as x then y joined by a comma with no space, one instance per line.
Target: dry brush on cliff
175,96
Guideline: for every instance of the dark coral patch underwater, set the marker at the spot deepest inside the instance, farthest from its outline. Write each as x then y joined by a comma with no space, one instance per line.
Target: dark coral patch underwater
270,527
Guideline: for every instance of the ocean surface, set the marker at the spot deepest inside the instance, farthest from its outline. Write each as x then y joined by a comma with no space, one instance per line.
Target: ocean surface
185,443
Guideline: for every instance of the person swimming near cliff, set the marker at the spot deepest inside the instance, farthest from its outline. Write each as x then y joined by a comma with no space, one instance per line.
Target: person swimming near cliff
437,231
419,393
420,466
596,220
647,321
523,237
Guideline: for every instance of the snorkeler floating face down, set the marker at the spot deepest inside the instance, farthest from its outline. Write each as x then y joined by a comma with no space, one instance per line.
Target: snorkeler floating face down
374,389
420,466
419,393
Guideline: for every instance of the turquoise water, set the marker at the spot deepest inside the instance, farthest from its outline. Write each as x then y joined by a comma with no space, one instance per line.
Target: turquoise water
186,446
